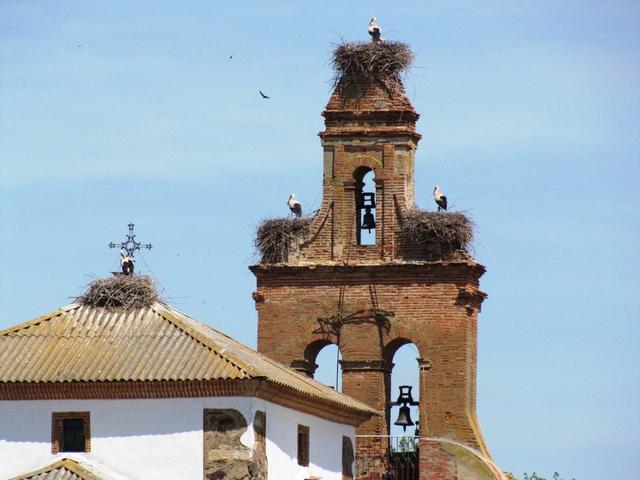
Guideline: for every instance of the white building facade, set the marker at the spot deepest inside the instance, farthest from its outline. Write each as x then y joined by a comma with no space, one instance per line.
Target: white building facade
156,394
163,438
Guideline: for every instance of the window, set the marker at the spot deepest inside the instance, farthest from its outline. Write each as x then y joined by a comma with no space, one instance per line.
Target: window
303,445
365,198
347,458
70,432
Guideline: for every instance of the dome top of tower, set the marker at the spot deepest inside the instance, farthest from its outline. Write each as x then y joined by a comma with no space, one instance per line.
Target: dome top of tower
369,95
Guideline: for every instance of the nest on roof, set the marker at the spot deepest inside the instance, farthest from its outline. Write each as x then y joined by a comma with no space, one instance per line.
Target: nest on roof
277,237
120,292
374,61
450,231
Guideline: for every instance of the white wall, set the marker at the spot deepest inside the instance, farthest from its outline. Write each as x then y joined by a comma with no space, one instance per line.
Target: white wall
162,438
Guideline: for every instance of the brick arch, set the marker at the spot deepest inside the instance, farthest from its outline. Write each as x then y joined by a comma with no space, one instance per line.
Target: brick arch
394,345
363,166
313,349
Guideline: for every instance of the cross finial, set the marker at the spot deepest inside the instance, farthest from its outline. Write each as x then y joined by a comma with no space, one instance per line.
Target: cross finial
130,245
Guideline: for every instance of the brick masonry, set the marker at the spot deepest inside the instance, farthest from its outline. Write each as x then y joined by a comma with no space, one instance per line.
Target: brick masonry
371,300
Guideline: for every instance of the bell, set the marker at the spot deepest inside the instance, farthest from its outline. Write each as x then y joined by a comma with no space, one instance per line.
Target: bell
368,221
404,418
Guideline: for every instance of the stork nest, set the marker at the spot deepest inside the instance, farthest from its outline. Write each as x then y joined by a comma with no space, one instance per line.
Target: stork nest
374,61
277,237
449,230
120,292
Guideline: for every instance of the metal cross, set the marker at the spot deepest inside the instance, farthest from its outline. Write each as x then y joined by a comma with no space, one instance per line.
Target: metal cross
130,245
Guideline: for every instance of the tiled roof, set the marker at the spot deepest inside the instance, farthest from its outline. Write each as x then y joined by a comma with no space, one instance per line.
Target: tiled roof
88,344
65,469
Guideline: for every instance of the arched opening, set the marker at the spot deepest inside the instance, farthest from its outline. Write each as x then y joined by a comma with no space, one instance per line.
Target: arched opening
329,370
405,373
365,198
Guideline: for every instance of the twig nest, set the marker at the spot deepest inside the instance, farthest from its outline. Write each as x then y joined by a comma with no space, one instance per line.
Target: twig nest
120,292
374,61
277,237
440,231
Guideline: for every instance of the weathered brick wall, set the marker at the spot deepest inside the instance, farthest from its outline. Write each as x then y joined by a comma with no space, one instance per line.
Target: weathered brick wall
387,294
434,306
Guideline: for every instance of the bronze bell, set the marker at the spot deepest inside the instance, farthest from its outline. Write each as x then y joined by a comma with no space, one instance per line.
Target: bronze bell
404,418
368,221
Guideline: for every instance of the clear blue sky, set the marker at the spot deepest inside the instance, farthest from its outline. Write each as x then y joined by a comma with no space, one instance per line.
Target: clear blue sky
112,112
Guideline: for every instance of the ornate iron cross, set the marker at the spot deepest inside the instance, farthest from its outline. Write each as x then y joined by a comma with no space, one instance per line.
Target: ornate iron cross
130,245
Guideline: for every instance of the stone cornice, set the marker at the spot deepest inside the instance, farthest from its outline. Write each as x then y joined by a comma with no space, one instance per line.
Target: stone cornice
362,365
406,115
359,132
385,268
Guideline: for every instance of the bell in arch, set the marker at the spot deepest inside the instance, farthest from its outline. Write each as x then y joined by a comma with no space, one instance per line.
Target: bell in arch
404,418
368,220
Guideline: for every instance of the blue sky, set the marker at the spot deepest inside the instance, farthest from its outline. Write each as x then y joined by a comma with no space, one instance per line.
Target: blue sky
112,112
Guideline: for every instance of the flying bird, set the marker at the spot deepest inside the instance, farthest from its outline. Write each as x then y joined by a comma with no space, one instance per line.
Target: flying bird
375,31
126,262
294,205
440,199
263,95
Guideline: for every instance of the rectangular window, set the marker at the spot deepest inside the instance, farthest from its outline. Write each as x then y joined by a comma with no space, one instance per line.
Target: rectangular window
70,432
72,435
303,445
347,458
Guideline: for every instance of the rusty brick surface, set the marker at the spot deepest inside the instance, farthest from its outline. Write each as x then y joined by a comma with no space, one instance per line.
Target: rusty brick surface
371,300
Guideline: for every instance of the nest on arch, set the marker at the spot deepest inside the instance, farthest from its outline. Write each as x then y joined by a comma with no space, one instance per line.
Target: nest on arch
451,231
277,237
120,292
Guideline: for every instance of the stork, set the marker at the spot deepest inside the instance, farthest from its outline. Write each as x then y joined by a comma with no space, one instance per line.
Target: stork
126,262
375,31
440,199
294,205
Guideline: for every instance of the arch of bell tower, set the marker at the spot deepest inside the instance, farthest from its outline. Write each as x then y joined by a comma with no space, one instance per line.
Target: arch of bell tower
369,299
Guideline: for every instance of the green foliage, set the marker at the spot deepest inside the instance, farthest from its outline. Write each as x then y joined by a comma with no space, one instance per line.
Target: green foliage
406,444
535,476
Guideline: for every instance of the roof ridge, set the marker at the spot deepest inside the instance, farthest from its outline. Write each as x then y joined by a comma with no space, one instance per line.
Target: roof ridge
71,464
199,337
322,390
42,318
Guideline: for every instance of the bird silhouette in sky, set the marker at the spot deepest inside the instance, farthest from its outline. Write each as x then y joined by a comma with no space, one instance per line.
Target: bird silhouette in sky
263,95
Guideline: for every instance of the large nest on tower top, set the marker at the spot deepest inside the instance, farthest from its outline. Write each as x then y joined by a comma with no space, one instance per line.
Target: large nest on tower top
450,231
374,61
120,292
277,237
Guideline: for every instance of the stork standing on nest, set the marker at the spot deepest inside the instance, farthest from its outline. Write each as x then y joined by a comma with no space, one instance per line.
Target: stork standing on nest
294,205
126,262
440,199
375,31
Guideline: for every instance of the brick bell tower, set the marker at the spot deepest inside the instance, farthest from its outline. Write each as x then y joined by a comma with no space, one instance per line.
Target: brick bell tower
371,299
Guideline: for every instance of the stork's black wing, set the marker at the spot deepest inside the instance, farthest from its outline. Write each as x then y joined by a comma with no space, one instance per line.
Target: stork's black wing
442,202
297,209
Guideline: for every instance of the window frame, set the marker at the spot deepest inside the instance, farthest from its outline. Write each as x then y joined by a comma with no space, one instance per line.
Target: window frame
303,445
57,430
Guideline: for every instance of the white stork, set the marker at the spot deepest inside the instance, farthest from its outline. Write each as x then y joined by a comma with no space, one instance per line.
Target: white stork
375,31
126,262
440,199
294,205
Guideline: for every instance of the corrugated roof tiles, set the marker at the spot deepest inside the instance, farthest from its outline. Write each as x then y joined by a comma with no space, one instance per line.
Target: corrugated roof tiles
64,469
88,344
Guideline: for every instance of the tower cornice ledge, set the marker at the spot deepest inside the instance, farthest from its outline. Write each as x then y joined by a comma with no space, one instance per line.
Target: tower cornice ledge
382,268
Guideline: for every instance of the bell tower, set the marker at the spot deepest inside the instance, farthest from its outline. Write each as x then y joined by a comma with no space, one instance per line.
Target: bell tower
353,278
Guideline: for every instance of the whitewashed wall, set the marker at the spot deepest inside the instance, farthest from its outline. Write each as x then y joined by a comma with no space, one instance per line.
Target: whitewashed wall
163,438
